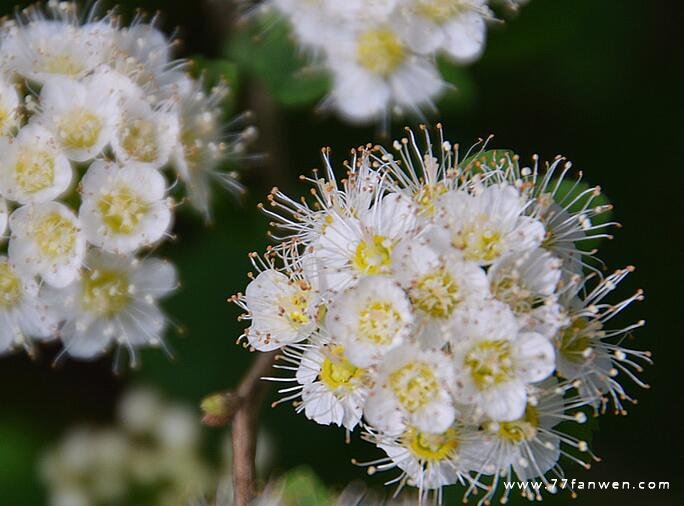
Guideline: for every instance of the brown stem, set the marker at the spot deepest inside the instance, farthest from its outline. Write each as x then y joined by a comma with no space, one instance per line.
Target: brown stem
245,427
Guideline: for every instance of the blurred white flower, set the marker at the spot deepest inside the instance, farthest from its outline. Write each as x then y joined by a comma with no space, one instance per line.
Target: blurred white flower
115,302
78,88
23,313
33,168
381,54
47,240
124,207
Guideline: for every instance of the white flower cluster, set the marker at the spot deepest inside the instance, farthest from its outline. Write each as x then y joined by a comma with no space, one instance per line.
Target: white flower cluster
81,96
381,53
446,306
154,450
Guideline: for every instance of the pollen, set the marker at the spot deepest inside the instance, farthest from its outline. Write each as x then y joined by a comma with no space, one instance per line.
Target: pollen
34,170
106,293
80,129
436,294
10,287
122,210
429,447
61,64
373,257
489,363
379,323
337,371
414,385
575,340
479,243
139,140
380,51
55,236
523,429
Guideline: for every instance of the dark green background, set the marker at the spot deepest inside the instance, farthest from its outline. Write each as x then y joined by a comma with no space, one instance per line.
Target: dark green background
597,81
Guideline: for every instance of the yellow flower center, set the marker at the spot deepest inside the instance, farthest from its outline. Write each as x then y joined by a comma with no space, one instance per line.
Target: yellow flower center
509,290
106,293
414,385
55,235
575,340
10,287
479,243
522,429
80,129
380,51
431,447
436,294
139,140
61,64
373,257
428,195
439,11
34,170
122,210
489,363
379,322
337,371
295,308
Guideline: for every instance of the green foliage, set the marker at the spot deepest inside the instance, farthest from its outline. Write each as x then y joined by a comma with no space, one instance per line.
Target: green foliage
268,53
301,487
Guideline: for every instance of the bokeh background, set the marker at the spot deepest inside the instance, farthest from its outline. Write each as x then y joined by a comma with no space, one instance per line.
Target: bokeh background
595,81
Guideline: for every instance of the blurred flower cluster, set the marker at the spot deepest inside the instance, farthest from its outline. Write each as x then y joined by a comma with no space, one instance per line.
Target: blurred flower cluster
381,53
152,456
91,114
449,306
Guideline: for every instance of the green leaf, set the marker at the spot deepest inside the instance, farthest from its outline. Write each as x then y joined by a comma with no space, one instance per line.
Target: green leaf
267,52
301,487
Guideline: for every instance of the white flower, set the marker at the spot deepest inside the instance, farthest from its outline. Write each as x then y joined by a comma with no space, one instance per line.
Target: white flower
42,48
124,208
281,310
374,70
9,106
370,319
143,53
591,352
528,283
145,135
202,143
353,247
23,314
82,115
115,301
456,26
33,168
488,225
438,286
411,388
529,447
333,389
429,460
46,240
494,361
